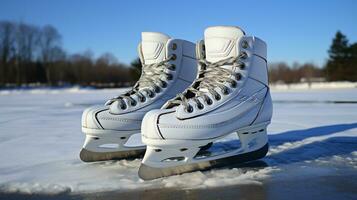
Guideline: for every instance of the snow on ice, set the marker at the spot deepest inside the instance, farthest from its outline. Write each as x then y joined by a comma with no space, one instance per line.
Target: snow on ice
40,139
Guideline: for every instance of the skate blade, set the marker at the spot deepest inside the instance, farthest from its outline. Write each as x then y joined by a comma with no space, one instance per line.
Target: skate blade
90,156
149,173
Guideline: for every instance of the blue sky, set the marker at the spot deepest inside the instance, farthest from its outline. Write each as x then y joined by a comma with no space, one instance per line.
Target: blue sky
294,30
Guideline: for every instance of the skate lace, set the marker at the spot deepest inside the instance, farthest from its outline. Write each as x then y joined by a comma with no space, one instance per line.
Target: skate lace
153,78
211,75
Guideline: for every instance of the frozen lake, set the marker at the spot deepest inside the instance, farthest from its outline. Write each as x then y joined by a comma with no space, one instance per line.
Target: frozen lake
313,141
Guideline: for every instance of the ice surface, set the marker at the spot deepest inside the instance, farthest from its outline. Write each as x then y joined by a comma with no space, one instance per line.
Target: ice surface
321,85
312,133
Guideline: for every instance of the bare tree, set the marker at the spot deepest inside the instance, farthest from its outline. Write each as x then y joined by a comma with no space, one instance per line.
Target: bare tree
31,54
27,37
7,42
49,43
107,59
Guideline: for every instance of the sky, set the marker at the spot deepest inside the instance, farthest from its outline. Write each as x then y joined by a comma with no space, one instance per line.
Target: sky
295,31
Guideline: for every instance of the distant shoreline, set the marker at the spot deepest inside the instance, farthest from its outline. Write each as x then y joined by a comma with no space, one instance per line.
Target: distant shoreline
273,86
313,86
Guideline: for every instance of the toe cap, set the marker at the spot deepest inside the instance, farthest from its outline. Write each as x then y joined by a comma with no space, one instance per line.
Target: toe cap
100,117
89,117
121,122
149,128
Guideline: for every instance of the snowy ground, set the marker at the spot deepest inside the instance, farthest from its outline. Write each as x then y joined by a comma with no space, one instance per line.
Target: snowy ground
313,135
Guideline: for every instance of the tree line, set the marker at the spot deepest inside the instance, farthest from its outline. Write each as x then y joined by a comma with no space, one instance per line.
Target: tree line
283,73
32,54
340,66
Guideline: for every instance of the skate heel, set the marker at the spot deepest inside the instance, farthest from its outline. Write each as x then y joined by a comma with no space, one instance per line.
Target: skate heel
254,137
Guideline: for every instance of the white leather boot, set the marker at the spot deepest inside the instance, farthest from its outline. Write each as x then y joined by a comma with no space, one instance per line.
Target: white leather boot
169,67
231,95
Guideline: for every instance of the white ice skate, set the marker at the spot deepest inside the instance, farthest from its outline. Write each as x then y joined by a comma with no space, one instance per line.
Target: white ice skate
229,98
169,67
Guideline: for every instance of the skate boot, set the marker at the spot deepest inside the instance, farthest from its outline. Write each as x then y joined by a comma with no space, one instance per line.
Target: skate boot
169,67
221,119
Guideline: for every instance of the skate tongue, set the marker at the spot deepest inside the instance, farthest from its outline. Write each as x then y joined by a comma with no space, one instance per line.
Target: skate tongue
153,47
220,42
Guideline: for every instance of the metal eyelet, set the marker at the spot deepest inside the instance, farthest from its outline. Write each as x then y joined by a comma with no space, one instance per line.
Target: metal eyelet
217,97
133,103
157,89
143,99
209,101
225,91
123,106
200,106
244,55
174,46
234,84
169,77
151,95
163,84
245,44
238,76
242,66
173,57
189,109
173,67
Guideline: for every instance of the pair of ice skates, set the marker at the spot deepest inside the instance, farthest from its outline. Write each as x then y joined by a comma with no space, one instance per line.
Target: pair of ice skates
188,100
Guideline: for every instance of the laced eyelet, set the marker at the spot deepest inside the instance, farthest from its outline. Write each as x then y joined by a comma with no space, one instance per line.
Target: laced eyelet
245,44
244,55
242,66
169,77
238,76
157,89
151,95
217,97
133,103
200,106
173,57
234,84
123,106
143,99
174,46
209,101
163,84
225,91
189,109
173,67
